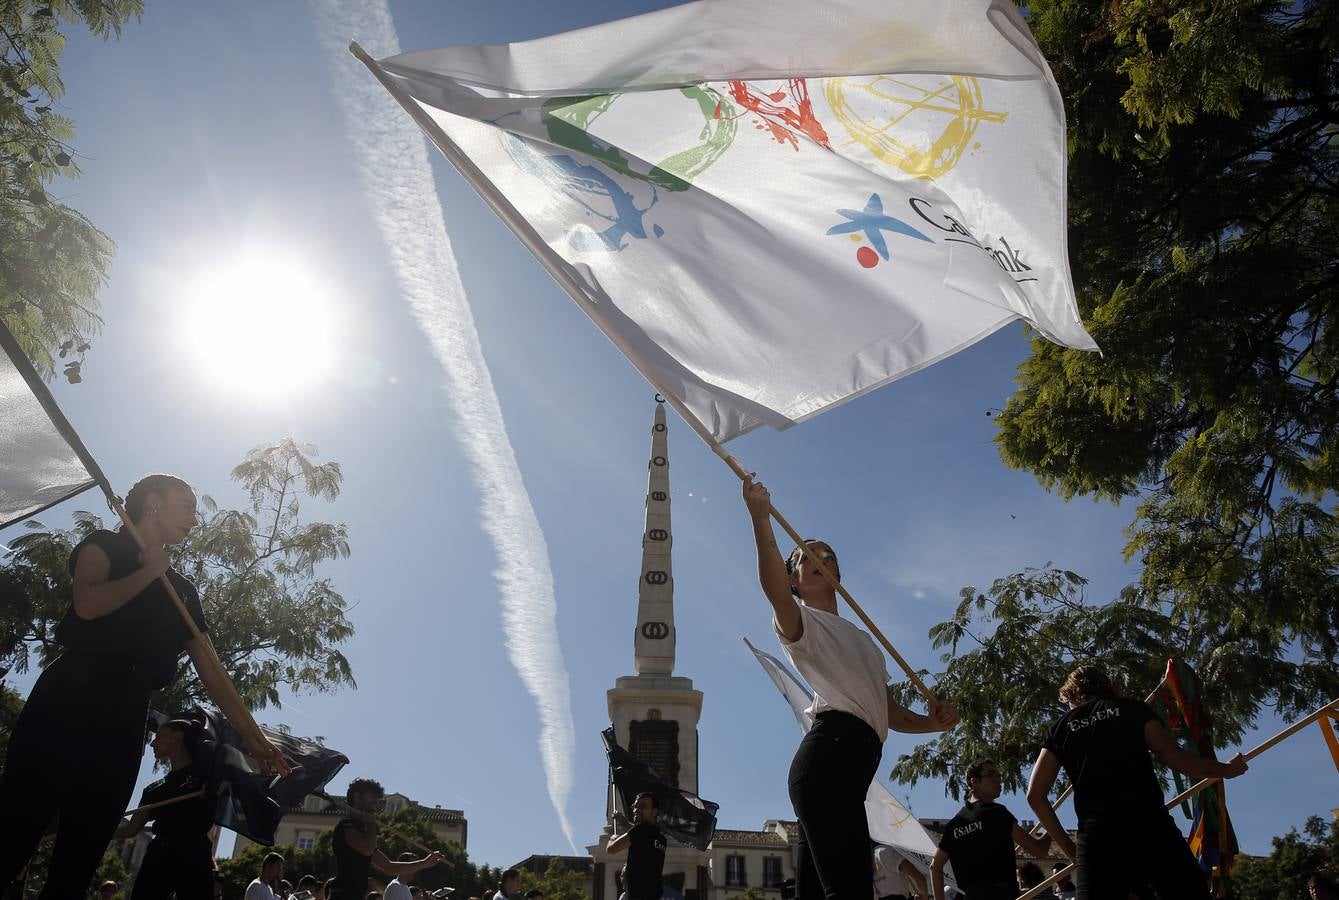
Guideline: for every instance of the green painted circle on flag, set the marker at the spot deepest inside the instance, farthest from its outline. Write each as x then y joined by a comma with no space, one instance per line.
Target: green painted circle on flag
567,119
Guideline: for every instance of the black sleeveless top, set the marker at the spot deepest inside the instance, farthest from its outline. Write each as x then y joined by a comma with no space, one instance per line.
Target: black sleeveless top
147,633
186,819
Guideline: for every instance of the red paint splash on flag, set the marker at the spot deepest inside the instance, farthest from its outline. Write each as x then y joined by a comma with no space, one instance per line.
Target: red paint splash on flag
786,111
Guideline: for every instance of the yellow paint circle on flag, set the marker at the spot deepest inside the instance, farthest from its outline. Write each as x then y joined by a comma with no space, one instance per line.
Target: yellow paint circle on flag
922,124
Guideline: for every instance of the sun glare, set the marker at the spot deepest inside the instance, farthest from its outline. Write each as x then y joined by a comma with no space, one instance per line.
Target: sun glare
262,325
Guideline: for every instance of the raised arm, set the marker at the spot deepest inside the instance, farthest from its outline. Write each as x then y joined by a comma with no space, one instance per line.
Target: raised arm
96,596
1044,772
408,867
1170,754
772,573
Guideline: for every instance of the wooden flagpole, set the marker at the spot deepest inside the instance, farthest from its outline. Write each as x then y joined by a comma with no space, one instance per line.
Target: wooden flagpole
563,273
1249,755
57,416
161,803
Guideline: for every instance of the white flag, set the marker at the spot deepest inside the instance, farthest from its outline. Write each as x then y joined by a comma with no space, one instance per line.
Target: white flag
773,206
890,822
38,466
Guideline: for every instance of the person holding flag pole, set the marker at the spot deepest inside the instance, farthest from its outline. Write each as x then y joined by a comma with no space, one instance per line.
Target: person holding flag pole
122,639
1104,745
180,859
852,708
979,841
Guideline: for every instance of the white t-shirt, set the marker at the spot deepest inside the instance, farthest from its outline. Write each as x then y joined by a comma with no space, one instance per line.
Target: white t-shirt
396,890
843,665
259,890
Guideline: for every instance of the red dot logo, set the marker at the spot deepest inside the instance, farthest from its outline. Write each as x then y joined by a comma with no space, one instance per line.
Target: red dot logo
867,257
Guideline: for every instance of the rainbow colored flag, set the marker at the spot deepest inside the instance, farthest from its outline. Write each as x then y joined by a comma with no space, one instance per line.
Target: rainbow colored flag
1178,701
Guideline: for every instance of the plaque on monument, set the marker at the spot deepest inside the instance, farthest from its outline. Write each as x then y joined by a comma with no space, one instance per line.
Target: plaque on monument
656,743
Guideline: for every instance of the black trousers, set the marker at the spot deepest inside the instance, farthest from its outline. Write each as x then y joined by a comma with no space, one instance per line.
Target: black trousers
829,778
183,865
74,753
1117,857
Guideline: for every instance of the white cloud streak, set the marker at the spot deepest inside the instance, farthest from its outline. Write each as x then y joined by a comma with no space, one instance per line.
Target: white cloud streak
391,154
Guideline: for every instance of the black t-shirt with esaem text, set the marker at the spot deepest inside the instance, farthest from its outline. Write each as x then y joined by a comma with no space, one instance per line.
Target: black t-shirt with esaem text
1102,748
980,845
148,630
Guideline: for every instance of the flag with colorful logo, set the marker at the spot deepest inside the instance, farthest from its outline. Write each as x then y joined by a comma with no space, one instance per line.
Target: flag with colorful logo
1211,838
773,206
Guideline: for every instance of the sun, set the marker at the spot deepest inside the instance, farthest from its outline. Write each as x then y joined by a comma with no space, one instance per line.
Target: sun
262,324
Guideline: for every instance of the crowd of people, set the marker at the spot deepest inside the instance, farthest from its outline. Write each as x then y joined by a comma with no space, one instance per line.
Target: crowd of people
122,639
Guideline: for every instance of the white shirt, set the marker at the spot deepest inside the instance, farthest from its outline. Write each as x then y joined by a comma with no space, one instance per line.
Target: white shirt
396,890
842,664
259,890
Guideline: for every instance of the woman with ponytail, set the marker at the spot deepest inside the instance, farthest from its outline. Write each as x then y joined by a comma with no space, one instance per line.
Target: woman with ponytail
180,858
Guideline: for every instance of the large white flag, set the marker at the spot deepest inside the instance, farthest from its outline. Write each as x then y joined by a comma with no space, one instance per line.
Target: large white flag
890,823
39,467
772,206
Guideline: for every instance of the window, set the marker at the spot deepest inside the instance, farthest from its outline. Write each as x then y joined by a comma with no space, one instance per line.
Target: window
394,806
771,871
306,840
734,872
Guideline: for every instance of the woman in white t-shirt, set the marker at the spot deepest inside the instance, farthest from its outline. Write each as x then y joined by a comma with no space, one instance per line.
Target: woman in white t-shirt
853,713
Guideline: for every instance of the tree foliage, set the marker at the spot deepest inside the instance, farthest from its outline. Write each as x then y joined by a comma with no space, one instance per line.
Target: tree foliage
468,879
273,618
1283,874
52,259
1202,202
558,882
1009,649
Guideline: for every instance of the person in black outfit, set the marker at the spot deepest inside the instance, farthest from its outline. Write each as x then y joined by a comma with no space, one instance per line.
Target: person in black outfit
646,850
181,856
122,638
354,844
979,841
1103,743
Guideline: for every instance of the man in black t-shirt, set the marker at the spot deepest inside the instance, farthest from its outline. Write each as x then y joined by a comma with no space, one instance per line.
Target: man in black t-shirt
646,850
979,841
1103,743
354,844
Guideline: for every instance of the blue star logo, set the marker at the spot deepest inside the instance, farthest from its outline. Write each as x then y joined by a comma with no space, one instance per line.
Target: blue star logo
874,222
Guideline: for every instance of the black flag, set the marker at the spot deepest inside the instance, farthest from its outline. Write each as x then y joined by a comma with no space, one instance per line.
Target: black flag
246,800
683,815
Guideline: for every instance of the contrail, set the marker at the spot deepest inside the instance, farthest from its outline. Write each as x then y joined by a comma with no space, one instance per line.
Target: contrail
392,157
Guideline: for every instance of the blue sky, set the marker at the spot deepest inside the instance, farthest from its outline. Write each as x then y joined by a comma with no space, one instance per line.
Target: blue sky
212,132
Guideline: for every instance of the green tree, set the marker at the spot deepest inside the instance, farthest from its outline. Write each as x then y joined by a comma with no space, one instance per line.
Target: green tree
559,881
464,876
1282,875
1009,650
1202,202
273,619
52,259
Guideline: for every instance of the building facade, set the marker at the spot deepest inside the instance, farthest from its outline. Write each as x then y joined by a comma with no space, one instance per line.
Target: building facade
304,824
